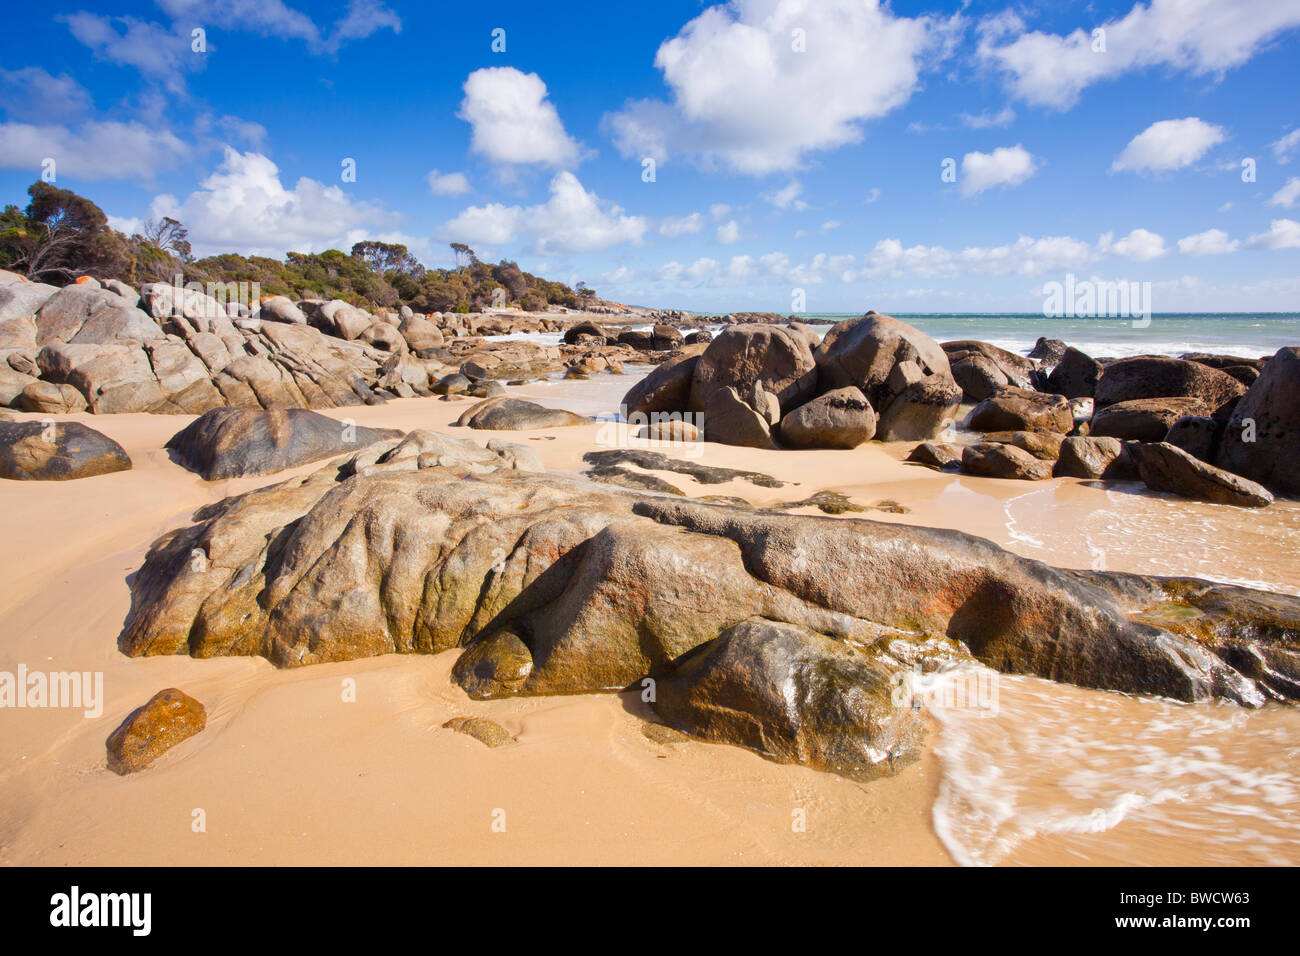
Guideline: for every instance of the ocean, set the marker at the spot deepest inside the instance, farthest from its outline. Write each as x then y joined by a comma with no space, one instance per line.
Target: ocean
1250,335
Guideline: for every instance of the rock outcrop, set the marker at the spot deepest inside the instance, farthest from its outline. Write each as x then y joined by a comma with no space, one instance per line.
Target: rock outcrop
1262,440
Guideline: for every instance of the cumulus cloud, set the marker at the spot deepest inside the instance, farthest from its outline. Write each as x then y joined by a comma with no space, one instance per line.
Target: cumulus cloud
512,120
728,233
1282,234
675,226
749,93
447,184
1212,242
93,151
1006,166
1168,144
1140,245
572,220
1201,37
244,207
619,276
1288,194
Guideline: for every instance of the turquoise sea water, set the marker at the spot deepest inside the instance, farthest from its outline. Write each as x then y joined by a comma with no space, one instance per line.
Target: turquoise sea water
1248,334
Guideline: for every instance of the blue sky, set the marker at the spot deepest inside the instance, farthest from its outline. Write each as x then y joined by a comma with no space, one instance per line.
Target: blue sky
796,146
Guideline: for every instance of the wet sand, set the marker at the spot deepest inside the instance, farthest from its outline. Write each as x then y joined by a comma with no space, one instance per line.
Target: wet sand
289,772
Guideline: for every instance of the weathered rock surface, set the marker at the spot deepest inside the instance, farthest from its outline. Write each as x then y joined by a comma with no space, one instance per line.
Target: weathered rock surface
1044,445
865,351
148,732
841,418
1144,419
980,367
1262,440
993,460
57,451
775,358
923,409
1198,435
941,455
1153,376
1165,467
730,420
1011,409
793,695
603,588
1075,376
84,316
234,442
1088,457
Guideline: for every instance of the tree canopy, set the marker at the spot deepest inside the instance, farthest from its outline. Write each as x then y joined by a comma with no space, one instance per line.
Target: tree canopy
61,236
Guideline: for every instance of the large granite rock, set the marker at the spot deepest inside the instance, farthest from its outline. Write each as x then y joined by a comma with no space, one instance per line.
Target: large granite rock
1075,376
1011,409
1088,457
19,300
923,409
235,442
1165,467
980,367
668,387
841,418
81,315
601,588
995,460
865,351
777,359
1155,376
730,420
57,451
1144,419
1262,440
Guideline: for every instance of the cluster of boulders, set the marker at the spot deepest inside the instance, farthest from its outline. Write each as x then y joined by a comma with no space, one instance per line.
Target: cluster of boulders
105,347
770,386
797,642
1210,427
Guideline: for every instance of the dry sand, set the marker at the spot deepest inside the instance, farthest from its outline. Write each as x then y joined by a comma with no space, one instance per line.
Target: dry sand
288,772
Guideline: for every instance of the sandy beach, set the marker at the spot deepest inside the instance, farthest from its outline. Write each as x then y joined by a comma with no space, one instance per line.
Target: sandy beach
289,772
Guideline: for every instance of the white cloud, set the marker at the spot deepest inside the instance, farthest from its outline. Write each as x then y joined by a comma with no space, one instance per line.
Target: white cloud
1286,146
745,98
1140,245
93,151
1005,166
1168,144
1225,207
1212,242
1288,194
362,19
1003,117
728,233
1282,234
512,120
873,195
787,197
572,220
1202,37
32,93
243,207
719,211
830,224
675,226
160,53
447,184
